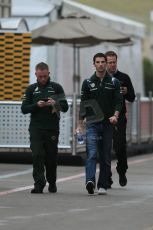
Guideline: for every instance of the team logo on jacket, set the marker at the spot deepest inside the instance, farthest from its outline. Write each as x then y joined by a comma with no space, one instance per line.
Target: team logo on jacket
53,138
37,91
92,85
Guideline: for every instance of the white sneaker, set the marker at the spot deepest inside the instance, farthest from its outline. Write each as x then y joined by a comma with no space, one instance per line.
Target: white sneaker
102,191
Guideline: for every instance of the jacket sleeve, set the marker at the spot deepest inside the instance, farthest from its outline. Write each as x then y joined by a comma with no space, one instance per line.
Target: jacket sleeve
118,97
130,96
61,101
27,103
84,98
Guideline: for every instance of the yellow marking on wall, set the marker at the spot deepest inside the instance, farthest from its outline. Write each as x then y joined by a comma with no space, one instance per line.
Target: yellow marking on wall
14,65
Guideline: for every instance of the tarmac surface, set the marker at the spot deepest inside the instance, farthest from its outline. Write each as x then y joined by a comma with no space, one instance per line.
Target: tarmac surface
71,208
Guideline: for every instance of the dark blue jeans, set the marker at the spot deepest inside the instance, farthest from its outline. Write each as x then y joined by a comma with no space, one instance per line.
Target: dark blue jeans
98,143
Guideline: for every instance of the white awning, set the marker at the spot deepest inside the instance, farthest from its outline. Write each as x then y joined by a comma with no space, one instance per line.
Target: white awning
13,24
119,23
31,7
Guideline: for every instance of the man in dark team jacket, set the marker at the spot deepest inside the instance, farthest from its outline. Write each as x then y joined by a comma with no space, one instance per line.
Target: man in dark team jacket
119,137
44,100
101,102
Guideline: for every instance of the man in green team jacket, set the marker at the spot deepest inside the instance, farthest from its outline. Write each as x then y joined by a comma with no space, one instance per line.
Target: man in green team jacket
101,103
44,100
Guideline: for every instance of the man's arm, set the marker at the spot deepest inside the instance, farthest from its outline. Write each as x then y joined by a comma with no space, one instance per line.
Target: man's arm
61,103
27,103
118,98
82,111
130,94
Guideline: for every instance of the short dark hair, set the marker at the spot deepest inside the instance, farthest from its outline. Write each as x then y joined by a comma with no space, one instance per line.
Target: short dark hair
99,55
111,53
42,66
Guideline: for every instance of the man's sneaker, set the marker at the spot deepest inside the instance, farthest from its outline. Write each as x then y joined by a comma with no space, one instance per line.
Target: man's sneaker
102,191
52,188
90,187
122,179
37,190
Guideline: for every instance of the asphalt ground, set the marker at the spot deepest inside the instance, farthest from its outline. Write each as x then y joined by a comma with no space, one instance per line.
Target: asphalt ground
71,208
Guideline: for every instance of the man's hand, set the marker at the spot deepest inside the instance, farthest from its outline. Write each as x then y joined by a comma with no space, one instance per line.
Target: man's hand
123,90
113,120
41,104
50,102
80,127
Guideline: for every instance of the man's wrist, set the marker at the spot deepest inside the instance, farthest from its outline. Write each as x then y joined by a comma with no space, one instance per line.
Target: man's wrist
116,115
80,123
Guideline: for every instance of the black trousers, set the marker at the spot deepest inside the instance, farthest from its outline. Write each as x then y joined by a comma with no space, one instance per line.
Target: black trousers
44,146
119,144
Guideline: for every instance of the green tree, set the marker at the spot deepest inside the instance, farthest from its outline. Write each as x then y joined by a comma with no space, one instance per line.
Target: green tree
148,75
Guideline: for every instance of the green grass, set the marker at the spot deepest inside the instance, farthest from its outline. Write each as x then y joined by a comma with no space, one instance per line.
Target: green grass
138,10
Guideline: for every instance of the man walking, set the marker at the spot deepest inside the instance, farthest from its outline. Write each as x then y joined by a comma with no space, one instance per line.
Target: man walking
101,102
119,137
44,100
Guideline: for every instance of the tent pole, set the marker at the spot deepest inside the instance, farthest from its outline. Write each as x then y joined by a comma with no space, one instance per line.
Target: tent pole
78,69
74,68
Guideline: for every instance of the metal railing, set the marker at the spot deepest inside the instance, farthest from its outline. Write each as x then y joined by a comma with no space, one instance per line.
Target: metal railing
14,125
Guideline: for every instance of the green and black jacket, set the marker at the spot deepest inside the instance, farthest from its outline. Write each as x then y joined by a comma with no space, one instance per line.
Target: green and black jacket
43,117
100,98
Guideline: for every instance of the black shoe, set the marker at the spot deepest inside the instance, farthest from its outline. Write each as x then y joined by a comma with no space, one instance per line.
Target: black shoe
122,180
90,187
37,190
52,188
110,182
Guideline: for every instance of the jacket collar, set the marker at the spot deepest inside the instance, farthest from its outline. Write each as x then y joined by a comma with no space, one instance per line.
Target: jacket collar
95,78
46,83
